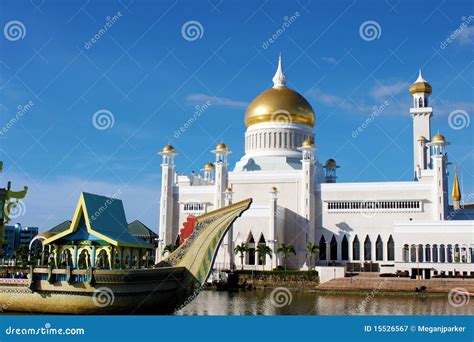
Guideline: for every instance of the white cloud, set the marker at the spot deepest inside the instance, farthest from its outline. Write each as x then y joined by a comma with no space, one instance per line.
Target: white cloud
386,90
466,36
329,60
200,99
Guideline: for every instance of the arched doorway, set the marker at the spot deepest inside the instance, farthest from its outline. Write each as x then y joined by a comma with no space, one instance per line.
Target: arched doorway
322,248
390,249
65,258
378,249
250,254
261,259
344,249
333,248
356,249
84,259
367,249
102,260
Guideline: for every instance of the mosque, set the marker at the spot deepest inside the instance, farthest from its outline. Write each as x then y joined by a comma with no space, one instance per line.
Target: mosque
382,226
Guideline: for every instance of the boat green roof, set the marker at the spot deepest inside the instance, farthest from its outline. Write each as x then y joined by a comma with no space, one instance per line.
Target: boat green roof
104,217
137,228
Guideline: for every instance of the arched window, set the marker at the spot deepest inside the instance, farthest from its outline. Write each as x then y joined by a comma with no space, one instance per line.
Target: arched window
435,253
420,253
262,259
250,254
413,253
442,253
427,253
367,249
322,248
406,253
390,249
333,248
356,249
379,248
344,249
420,102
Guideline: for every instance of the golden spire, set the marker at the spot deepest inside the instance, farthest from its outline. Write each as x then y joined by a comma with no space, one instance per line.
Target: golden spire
456,194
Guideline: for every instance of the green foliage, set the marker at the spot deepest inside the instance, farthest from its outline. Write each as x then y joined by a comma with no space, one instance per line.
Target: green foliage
285,251
241,249
169,249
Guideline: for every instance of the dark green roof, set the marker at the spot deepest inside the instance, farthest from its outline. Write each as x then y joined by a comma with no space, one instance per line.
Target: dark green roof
60,227
137,228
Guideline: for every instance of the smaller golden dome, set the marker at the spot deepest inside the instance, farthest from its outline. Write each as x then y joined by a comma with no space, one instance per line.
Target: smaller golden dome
331,163
221,147
308,143
274,189
209,166
228,190
168,148
421,138
438,138
420,86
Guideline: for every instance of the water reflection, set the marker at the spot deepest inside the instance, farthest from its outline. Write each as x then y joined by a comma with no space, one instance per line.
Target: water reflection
258,303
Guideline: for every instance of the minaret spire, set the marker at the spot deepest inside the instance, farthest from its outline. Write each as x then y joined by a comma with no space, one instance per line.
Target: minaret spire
420,78
279,79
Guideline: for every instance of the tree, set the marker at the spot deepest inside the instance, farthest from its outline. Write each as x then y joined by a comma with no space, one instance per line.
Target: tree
263,250
169,249
311,248
241,249
21,255
285,251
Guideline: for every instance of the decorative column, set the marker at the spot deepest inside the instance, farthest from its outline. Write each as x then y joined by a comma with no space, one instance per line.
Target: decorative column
74,258
166,200
439,162
93,256
272,231
229,237
221,174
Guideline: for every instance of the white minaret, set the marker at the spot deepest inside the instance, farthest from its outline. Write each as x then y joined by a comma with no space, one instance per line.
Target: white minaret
421,114
228,239
308,202
221,175
166,200
439,165
330,170
272,229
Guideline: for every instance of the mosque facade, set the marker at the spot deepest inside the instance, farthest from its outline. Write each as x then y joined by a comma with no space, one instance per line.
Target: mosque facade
383,226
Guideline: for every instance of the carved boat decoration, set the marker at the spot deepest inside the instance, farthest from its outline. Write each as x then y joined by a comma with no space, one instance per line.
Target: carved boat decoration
168,286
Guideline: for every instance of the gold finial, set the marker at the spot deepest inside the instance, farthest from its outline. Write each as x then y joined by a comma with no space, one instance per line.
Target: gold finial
456,194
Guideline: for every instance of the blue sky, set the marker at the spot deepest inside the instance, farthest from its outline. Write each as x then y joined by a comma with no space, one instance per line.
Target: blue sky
150,76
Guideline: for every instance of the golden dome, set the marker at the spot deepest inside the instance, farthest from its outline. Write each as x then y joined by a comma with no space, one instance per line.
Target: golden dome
274,189
221,147
331,163
421,138
209,166
279,104
420,86
438,138
308,143
168,148
228,190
